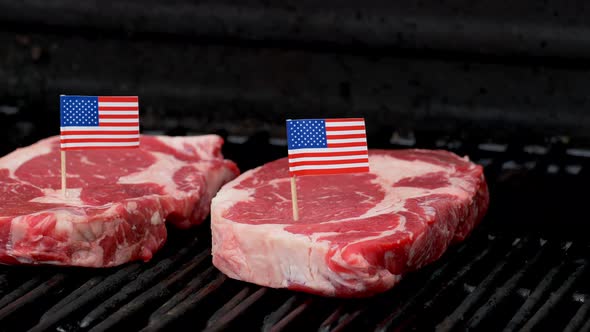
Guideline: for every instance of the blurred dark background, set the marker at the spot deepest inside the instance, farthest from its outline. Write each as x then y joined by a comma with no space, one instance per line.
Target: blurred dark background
473,70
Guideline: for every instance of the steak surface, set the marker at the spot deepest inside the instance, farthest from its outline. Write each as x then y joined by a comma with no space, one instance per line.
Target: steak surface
357,233
117,201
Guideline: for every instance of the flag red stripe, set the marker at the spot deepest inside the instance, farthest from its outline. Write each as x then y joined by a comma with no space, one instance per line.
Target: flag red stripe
98,140
327,154
346,145
329,129
329,162
331,171
117,116
101,147
345,120
121,124
119,99
106,132
346,136
117,108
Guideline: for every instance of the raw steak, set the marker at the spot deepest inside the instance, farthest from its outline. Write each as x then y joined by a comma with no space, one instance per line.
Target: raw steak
358,233
117,200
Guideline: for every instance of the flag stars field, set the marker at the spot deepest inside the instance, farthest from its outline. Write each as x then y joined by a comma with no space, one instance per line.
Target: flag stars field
83,113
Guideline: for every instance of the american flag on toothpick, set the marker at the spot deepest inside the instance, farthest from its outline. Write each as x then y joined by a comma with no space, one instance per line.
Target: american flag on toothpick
99,122
327,146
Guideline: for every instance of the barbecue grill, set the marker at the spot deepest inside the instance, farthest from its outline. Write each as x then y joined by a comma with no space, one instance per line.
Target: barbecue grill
506,88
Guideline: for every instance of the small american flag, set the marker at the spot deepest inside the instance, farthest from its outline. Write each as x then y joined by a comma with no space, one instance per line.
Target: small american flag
327,146
99,122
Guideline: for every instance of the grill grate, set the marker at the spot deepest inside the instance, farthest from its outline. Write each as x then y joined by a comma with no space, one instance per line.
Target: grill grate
525,267
212,302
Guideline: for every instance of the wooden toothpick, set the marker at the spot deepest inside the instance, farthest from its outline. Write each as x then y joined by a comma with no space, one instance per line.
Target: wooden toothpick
63,173
294,198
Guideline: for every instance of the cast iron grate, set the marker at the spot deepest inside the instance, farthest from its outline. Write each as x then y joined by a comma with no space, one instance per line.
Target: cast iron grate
526,267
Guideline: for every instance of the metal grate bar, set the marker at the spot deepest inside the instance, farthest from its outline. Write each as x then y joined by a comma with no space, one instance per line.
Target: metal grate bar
332,320
144,279
162,321
277,315
229,305
586,327
107,285
531,302
3,284
189,289
280,325
505,290
20,291
160,290
337,323
578,319
33,295
432,283
456,278
72,296
347,320
394,317
226,319
555,298
452,320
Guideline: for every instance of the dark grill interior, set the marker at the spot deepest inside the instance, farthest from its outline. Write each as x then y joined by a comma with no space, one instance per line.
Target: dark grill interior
525,267
504,83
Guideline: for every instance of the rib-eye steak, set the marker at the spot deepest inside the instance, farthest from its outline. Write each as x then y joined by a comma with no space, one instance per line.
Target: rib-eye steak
357,233
116,202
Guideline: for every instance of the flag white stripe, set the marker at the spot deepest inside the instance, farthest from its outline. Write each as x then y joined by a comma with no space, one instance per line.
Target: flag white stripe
118,104
119,112
130,121
344,124
104,128
303,159
98,136
346,140
306,167
323,150
98,144
344,132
